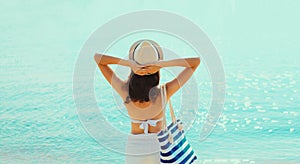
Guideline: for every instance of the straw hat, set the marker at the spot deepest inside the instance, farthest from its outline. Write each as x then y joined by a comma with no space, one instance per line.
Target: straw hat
145,51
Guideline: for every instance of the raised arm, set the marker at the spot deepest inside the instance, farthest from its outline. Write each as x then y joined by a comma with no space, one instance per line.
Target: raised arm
174,85
103,61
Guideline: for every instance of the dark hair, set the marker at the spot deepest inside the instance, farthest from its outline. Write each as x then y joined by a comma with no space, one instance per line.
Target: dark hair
140,86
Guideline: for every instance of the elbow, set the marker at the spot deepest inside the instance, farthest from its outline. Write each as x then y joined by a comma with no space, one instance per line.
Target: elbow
195,64
197,60
97,58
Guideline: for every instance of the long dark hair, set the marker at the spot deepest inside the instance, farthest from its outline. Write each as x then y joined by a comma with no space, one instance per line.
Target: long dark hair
140,87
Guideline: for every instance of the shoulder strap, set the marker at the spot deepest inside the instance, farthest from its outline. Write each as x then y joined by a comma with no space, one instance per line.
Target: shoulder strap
165,101
164,104
163,96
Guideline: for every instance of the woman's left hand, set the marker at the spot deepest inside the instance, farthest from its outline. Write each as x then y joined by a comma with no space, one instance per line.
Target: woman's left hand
152,68
146,69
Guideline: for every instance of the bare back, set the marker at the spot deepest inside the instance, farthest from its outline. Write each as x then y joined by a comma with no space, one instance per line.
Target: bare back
151,110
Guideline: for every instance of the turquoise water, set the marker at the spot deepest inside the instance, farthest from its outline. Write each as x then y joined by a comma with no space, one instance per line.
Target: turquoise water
258,43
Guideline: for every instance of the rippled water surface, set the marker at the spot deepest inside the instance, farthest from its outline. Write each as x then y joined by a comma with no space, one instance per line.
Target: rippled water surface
39,45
